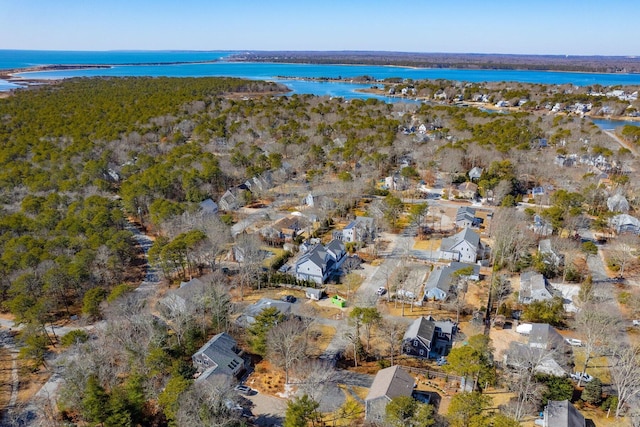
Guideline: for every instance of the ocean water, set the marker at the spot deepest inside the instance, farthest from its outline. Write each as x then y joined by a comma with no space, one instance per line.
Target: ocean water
20,58
11,59
190,64
606,124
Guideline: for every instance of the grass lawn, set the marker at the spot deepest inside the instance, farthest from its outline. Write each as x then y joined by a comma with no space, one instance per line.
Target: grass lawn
320,337
598,366
427,245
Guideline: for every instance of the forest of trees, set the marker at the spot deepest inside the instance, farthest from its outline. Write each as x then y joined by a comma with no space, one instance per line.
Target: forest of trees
84,157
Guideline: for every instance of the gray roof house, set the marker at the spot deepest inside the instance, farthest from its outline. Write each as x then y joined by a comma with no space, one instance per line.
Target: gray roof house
438,285
361,229
464,246
428,338
232,198
545,336
534,287
625,223
618,203
467,190
550,256
540,226
522,355
319,262
466,217
208,207
475,173
219,356
248,317
176,300
561,413
388,384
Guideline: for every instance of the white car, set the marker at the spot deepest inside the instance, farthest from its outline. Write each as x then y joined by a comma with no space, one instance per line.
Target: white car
381,290
636,322
585,377
573,342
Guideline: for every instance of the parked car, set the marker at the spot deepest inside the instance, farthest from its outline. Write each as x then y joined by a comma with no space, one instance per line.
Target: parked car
381,290
243,389
573,342
404,294
636,322
442,360
585,377
289,298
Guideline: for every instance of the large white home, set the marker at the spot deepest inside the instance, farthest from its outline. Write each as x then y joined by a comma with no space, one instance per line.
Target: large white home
361,229
464,246
319,262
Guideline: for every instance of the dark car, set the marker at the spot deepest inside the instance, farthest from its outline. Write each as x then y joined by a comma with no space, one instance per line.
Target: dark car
289,298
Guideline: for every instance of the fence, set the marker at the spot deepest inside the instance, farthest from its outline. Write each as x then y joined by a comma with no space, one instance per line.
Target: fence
433,374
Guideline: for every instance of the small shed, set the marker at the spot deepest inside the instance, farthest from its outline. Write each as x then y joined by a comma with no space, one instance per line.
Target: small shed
499,321
314,294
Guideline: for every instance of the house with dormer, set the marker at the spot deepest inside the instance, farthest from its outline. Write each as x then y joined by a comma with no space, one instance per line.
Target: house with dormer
361,229
428,338
466,217
220,356
319,262
534,287
464,246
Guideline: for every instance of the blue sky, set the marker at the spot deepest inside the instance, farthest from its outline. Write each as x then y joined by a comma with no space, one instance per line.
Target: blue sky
563,27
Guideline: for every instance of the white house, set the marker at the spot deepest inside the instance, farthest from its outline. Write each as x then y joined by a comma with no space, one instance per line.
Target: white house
361,229
319,262
464,246
438,284
534,287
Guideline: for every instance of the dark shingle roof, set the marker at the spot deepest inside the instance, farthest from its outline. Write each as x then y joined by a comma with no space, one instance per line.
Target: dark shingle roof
422,328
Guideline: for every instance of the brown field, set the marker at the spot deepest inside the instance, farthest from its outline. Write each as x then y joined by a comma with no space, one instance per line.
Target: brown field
266,378
320,337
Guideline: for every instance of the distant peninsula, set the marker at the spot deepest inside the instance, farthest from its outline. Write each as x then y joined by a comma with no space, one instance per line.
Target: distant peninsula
587,64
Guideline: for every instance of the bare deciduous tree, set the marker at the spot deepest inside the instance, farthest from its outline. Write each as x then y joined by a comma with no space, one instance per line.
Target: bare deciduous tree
625,374
511,241
313,376
208,403
623,251
248,255
597,325
500,289
286,344
523,363
391,333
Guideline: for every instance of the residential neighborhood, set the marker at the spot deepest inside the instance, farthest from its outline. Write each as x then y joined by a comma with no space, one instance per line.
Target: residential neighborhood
358,262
